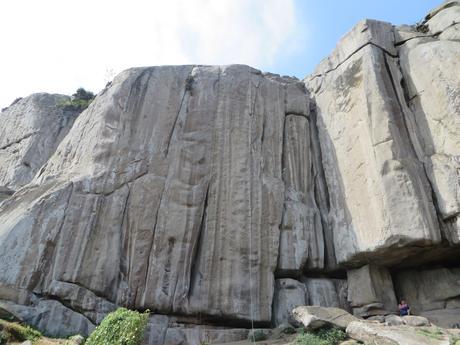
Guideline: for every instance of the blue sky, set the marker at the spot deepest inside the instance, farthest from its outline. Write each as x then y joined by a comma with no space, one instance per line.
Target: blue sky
328,20
57,46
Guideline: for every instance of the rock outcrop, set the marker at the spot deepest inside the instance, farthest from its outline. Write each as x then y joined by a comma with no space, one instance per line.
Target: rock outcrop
371,291
220,197
289,294
317,317
30,130
374,333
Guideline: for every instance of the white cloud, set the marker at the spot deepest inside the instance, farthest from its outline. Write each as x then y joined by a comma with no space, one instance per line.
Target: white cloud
57,46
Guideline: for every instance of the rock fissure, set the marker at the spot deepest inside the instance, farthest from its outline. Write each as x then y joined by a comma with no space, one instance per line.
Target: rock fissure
349,57
187,88
17,141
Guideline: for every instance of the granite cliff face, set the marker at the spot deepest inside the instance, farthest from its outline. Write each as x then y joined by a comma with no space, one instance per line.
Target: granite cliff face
219,197
31,129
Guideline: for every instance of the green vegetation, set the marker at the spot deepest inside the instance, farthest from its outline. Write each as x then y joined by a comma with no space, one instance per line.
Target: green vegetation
309,339
3,338
79,101
454,340
121,327
75,339
324,336
332,335
16,332
434,333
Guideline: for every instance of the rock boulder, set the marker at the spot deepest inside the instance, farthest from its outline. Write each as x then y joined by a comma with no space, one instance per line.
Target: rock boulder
316,317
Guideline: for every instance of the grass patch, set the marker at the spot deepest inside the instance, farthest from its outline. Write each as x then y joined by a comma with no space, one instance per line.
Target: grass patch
121,327
434,333
12,331
324,336
309,339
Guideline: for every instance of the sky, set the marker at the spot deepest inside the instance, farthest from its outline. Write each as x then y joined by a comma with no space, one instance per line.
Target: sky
57,46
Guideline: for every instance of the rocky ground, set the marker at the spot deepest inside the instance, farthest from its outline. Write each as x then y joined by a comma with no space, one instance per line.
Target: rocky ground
313,326
391,330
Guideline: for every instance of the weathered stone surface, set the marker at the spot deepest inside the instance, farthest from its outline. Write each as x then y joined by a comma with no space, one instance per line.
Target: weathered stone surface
443,17
378,318
163,330
5,193
375,333
289,294
321,292
431,291
432,93
30,130
393,320
325,292
302,240
448,318
370,291
365,33
195,335
381,198
156,328
52,316
415,321
428,289
315,317
174,198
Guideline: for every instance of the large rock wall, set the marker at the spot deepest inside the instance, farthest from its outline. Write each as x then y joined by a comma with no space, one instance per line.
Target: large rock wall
379,193
220,196
171,202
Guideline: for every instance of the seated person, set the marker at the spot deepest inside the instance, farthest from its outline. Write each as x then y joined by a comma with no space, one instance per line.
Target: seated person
403,308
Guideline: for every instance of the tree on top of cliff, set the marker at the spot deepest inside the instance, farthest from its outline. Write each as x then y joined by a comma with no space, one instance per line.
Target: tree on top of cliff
79,101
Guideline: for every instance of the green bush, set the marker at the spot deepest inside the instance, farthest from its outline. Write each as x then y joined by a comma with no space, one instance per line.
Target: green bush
82,94
80,100
309,339
332,335
3,338
121,327
15,331
324,336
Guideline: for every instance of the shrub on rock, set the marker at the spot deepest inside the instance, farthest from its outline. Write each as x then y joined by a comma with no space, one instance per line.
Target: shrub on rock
79,101
121,327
